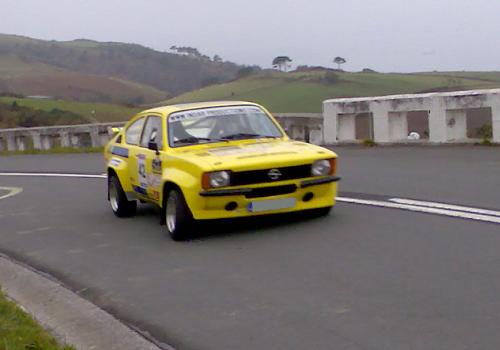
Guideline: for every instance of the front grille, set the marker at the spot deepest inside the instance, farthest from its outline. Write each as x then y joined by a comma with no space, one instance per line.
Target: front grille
260,176
271,191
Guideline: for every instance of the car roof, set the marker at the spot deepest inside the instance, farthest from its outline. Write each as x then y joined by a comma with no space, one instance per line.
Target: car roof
195,105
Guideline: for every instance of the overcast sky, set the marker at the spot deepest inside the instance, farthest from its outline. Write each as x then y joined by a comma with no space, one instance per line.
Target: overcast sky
385,35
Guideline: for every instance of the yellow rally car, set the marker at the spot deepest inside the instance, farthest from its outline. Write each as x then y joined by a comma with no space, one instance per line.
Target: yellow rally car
215,160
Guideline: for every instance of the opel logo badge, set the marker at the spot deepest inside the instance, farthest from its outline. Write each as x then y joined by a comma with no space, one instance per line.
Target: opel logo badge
274,174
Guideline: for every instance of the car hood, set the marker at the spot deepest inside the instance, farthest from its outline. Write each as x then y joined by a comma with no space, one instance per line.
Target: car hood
245,156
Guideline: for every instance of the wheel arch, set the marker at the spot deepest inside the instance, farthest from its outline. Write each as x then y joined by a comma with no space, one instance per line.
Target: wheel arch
111,172
167,186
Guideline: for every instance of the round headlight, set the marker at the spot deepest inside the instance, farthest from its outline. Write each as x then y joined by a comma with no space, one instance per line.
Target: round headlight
219,179
321,168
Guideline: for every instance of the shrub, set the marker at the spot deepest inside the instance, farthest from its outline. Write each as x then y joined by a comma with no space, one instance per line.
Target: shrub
246,71
485,131
369,143
331,78
486,142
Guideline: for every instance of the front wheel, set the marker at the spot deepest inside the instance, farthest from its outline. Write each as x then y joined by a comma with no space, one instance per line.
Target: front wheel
118,200
178,217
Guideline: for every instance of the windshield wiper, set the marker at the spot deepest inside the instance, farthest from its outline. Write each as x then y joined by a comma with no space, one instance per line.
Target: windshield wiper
198,139
243,135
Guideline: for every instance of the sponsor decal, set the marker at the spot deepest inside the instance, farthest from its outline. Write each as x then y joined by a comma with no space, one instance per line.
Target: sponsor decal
114,162
156,166
155,195
153,180
141,169
120,151
212,112
141,190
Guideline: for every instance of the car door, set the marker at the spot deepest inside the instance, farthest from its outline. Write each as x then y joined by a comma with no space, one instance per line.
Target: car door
151,150
135,162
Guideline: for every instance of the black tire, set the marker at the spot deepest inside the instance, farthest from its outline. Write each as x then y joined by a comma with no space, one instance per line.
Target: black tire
119,204
178,218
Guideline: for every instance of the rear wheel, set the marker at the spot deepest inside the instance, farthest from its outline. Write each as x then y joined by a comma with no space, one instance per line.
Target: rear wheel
118,200
178,217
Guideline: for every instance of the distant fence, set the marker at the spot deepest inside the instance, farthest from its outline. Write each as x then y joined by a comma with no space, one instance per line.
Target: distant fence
300,126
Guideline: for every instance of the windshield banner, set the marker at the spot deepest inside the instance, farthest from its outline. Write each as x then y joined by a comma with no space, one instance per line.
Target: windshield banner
212,112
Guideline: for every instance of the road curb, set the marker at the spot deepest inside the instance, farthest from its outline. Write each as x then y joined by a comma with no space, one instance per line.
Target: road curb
68,316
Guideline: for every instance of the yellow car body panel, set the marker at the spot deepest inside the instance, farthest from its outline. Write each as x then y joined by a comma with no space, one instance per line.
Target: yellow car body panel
145,174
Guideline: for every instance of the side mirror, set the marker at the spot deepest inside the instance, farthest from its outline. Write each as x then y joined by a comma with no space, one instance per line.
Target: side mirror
153,146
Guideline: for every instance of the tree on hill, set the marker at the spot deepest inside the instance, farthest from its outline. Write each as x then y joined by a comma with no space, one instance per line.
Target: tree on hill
246,71
339,61
189,51
282,63
170,72
217,58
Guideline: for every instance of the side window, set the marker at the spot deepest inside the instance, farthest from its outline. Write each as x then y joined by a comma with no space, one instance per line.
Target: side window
133,133
152,132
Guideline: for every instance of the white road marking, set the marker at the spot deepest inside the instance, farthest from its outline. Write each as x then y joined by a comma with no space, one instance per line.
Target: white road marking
415,208
449,210
56,175
11,191
445,206
40,229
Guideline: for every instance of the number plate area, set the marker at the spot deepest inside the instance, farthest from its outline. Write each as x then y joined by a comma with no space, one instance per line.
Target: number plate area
271,204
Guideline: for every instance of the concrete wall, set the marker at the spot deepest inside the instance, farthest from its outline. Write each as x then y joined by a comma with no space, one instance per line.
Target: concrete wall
388,122
45,138
300,126
447,115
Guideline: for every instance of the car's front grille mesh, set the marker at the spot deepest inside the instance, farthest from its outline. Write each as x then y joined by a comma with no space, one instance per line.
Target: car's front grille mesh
261,176
271,191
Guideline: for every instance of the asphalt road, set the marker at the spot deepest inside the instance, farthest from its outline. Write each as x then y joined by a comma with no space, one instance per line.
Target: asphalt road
361,278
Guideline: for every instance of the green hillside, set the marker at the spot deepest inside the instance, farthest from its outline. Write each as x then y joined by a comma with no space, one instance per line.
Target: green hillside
77,112
35,78
305,91
94,71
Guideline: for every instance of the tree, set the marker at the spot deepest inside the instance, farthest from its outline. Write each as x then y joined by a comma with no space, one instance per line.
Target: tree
246,71
189,51
282,63
217,59
339,61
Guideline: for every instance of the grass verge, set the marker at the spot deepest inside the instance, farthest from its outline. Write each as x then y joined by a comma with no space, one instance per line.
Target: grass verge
56,150
97,112
18,330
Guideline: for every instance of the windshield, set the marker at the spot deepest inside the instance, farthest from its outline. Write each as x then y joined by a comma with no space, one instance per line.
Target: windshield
220,124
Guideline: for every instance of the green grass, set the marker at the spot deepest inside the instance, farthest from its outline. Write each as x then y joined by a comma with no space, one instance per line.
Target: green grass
102,112
305,91
18,331
485,76
58,150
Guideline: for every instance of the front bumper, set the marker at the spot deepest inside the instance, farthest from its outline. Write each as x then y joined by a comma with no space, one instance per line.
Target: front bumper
308,194
247,191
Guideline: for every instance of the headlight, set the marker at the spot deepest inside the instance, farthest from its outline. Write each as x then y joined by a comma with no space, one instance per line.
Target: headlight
321,168
216,179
